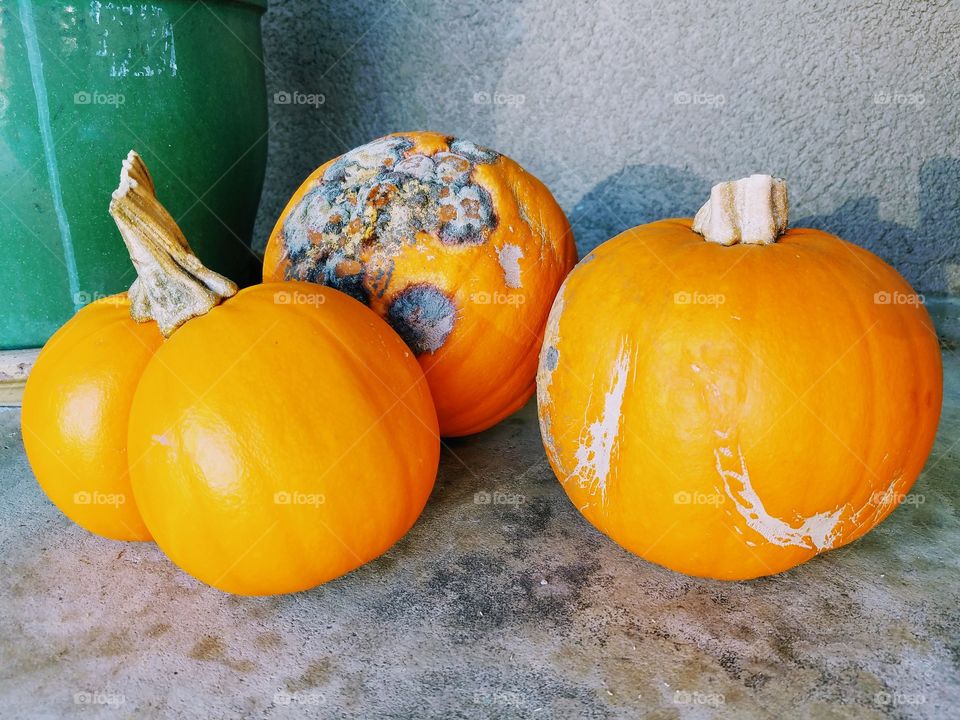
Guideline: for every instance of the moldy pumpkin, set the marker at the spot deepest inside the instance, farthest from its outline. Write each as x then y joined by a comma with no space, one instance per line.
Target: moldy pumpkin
456,246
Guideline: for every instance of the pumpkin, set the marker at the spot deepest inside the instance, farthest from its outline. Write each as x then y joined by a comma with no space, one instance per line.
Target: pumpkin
279,437
456,246
729,398
76,410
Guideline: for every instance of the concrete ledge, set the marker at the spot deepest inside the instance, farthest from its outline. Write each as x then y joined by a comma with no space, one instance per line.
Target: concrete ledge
14,367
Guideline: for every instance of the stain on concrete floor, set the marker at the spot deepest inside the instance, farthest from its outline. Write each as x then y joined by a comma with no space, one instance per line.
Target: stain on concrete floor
487,611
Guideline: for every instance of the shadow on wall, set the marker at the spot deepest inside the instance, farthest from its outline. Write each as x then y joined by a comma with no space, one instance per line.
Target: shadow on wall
928,255
636,195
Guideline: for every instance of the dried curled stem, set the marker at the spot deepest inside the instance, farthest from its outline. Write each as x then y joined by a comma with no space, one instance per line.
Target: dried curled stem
172,285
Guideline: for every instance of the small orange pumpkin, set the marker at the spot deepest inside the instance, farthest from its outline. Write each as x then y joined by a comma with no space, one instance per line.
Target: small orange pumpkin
456,246
76,409
275,441
730,404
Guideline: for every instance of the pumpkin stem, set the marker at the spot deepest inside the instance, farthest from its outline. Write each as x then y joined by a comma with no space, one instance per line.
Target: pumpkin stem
172,284
753,211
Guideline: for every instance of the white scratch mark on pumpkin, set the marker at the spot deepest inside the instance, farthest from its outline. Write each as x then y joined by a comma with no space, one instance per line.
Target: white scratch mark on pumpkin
818,532
879,503
509,256
598,439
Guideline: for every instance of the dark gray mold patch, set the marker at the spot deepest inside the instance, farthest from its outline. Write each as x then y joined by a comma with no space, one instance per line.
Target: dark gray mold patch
423,316
552,358
341,273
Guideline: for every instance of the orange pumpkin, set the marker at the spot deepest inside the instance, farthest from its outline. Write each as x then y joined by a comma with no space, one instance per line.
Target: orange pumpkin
731,404
76,408
456,246
274,441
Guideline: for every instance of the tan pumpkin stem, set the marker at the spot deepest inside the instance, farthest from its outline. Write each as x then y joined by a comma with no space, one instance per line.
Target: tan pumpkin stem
172,284
752,211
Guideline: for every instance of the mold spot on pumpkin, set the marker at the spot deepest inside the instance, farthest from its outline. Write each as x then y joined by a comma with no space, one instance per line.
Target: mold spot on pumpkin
550,355
549,359
333,269
552,358
375,200
423,316
473,152
467,216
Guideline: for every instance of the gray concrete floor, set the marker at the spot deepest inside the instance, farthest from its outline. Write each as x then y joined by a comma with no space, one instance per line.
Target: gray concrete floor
490,611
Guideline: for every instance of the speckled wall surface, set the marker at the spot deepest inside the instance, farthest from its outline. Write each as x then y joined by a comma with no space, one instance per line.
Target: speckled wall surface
630,110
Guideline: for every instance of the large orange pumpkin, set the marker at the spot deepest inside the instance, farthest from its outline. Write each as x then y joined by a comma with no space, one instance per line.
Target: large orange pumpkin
456,246
274,441
731,404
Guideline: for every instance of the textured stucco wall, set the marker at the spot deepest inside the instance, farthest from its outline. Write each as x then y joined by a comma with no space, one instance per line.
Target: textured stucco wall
630,110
